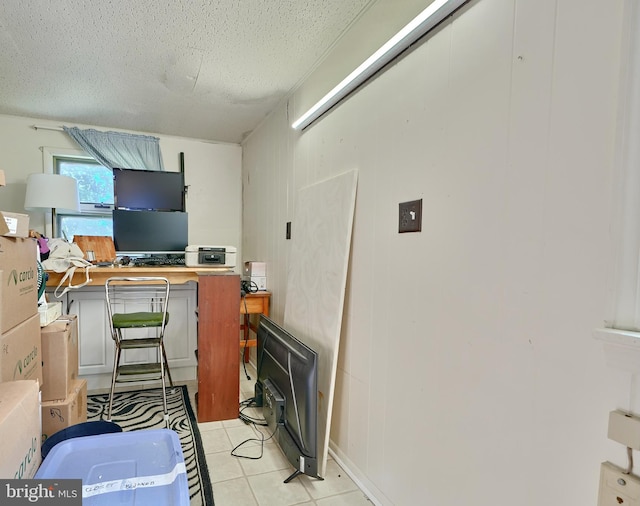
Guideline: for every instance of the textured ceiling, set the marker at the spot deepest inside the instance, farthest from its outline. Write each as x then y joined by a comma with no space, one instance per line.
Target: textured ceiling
207,69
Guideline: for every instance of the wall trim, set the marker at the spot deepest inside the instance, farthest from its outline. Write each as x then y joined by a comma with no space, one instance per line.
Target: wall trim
359,478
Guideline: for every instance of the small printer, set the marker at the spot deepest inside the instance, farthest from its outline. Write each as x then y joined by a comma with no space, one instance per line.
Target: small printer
210,256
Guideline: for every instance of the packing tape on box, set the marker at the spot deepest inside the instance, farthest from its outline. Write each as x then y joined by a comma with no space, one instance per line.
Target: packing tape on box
157,480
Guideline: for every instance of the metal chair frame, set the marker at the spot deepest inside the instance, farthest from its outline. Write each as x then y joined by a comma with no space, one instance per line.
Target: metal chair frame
150,297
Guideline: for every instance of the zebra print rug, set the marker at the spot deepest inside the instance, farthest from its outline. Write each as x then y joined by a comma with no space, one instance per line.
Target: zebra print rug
142,409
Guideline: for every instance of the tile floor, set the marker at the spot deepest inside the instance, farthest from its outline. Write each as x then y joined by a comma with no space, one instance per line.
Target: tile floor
244,482
247,482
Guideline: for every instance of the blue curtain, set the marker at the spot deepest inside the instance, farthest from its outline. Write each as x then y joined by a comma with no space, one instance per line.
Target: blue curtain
118,149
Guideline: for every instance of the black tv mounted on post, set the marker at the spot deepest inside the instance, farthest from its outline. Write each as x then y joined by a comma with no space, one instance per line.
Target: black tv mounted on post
287,390
149,215
148,190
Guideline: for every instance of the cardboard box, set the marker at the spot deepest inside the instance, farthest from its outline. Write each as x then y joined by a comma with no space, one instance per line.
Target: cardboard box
3,181
255,269
17,224
20,429
21,352
58,415
59,357
49,312
19,281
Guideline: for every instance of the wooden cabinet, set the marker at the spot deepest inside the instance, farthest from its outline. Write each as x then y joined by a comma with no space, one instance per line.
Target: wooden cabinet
218,355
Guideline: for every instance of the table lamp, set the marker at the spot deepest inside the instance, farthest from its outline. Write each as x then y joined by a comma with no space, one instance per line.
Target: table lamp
51,192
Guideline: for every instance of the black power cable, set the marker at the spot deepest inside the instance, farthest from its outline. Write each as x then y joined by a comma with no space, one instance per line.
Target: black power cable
245,288
256,422
247,321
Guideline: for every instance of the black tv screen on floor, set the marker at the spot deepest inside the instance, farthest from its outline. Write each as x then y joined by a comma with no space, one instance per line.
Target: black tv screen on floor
287,389
150,190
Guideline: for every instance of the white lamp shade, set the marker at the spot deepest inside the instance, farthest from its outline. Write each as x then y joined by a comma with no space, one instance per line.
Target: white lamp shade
51,191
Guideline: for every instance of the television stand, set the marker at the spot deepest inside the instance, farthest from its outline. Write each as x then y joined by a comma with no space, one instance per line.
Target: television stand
295,473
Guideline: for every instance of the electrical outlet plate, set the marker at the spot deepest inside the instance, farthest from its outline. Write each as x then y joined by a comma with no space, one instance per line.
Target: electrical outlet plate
410,216
617,487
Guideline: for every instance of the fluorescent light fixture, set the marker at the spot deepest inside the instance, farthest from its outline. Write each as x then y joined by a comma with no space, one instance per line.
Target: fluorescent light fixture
416,28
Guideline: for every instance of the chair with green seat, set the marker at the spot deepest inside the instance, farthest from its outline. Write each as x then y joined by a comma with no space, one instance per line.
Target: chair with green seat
138,316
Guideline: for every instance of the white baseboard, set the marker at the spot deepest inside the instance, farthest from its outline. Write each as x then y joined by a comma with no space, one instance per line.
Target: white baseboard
358,477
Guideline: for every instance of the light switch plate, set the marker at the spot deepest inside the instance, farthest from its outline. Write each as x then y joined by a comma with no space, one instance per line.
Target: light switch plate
410,216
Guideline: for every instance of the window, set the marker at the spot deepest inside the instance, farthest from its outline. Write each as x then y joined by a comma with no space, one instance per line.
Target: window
95,188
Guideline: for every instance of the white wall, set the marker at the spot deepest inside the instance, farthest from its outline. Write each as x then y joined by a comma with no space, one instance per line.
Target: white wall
212,172
468,373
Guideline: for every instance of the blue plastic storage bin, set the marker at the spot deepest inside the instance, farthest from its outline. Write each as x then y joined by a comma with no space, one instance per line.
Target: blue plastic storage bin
126,468
79,430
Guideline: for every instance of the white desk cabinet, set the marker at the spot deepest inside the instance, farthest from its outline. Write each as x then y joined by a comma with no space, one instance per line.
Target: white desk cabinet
96,348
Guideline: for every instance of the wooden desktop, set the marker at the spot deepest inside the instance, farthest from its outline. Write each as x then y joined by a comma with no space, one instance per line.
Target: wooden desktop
218,328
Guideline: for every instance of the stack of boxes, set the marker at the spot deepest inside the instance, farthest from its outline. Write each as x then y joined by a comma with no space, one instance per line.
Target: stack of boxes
40,392
64,396
20,351
20,357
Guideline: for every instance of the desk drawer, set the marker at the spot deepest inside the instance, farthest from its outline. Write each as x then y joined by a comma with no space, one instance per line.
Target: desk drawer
254,305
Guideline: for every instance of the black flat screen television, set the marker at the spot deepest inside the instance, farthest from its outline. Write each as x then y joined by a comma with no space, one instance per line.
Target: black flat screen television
150,190
287,390
139,232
